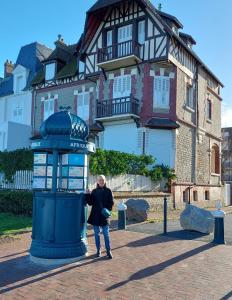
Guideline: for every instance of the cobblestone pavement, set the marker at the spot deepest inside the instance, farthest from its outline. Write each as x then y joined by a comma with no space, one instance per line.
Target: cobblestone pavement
144,267
175,231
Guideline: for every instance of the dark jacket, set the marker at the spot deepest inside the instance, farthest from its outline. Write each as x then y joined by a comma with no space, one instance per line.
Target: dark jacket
99,198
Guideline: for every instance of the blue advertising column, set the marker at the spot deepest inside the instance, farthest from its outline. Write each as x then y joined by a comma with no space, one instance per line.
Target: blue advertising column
60,180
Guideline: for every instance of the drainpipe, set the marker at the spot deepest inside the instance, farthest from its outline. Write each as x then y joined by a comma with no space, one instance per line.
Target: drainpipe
197,120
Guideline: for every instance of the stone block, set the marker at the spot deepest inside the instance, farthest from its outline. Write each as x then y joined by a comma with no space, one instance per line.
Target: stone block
137,210
197,219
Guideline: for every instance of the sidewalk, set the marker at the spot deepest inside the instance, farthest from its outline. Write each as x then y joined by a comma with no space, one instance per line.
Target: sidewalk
143,267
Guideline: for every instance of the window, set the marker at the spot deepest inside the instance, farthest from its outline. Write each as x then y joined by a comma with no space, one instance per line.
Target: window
186,196
190,96
122,86
161,92
215,160
48,108
109,43
17,113
83,106
195,196
19,84
141,32
50,71
209,109
124,38
175,29
81,67
206,195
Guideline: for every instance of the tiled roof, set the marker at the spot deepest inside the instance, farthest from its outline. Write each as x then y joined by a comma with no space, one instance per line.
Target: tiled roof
63,53
186,36
170,17
6,86
30,57
69,70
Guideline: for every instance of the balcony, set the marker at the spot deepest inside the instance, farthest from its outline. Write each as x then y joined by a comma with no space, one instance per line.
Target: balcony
118,108
119,55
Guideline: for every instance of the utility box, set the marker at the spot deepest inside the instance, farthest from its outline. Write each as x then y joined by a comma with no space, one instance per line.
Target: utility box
59,183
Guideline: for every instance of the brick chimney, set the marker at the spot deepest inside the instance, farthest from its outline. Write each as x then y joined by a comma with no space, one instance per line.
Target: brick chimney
8,68
60,41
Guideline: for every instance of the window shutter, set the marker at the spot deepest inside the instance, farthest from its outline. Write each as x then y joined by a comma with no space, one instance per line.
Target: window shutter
147,141
115,88
161,92
157,92
166,92
79,104
86,107
140,140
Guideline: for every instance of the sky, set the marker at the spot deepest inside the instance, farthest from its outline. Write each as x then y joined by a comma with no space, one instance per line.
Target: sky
208,21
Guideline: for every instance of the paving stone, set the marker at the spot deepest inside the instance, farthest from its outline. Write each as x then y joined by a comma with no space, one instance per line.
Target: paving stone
144,267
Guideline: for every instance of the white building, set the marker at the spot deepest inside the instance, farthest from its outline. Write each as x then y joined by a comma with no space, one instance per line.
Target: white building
16,103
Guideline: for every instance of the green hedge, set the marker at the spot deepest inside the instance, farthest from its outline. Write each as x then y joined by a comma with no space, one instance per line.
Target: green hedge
16,202
109,162
12,161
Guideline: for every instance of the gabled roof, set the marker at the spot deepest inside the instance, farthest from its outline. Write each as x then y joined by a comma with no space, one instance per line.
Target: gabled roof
170,18
93,14
62,53
186,36
67,55
102,4
30,57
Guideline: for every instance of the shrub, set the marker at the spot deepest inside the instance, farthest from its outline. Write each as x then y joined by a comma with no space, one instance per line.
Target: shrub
16,202
109,162
12,161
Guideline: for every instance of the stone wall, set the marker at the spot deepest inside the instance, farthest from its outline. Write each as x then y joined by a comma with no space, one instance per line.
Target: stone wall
185,153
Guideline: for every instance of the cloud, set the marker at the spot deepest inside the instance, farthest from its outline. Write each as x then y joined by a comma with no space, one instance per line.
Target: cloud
226,115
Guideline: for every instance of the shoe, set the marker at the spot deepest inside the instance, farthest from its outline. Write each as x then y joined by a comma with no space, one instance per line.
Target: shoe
98,253
109,254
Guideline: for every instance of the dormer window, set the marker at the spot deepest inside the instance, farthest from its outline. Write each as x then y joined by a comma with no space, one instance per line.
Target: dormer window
189,45
175,29
50,70
19,84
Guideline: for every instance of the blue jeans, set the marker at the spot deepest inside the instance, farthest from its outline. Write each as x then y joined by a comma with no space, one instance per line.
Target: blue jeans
106,234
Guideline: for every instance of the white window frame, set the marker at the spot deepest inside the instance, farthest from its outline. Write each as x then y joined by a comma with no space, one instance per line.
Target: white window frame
161,95
19,84
50,71
49,103
83,107
190,96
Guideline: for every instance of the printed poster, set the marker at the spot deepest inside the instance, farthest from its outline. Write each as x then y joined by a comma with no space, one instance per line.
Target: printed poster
40,158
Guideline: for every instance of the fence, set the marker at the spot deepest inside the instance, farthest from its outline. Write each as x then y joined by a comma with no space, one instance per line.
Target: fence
22,180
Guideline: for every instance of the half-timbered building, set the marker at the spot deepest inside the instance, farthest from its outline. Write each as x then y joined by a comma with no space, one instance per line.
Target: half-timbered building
142,88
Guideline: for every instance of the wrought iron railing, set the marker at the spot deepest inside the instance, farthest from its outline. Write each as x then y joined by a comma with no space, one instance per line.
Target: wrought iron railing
119,50
117,106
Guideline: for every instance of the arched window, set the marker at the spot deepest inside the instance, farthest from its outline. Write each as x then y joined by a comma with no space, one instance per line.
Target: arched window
215,160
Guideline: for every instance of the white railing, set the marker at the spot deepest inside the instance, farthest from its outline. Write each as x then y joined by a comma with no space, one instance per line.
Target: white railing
22,180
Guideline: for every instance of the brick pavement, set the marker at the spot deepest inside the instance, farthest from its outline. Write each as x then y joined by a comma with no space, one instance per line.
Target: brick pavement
144,267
